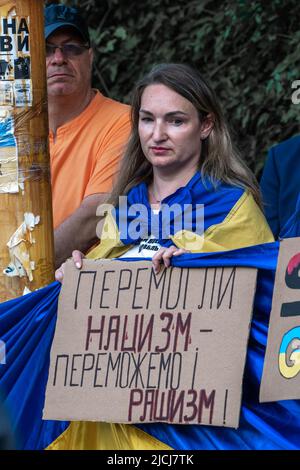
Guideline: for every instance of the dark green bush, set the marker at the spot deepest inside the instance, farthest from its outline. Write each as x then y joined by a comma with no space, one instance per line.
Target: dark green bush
248,50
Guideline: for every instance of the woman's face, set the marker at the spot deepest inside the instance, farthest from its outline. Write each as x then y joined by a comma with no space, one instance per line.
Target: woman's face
170,130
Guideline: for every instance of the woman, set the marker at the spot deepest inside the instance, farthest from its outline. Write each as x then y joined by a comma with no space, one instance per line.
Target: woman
179,140
180,153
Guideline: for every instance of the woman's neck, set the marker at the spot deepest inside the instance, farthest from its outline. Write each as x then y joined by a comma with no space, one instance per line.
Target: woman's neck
163,185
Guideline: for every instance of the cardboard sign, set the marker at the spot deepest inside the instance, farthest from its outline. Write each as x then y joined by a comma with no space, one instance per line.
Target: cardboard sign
131,346
281,375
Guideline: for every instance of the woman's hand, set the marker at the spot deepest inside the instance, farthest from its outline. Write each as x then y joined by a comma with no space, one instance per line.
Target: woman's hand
77,257
164,256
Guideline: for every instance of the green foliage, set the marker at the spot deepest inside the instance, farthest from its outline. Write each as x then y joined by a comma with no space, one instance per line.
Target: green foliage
248,50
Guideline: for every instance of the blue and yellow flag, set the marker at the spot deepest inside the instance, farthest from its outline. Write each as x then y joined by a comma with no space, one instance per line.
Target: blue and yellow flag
27,327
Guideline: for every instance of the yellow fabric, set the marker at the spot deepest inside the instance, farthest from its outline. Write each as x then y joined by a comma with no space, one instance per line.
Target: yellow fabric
83,435
110,245
245,225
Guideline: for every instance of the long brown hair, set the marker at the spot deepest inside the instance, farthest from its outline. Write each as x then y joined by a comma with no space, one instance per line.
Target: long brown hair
219,160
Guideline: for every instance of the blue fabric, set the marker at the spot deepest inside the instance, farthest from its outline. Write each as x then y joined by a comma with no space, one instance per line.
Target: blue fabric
267,426
217,201
27,326
292,227
258,256
262,426
280,183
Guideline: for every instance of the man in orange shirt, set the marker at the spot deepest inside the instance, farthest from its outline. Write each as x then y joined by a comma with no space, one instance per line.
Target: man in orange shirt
88,132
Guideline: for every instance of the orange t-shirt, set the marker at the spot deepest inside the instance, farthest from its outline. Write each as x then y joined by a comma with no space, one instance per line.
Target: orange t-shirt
85,154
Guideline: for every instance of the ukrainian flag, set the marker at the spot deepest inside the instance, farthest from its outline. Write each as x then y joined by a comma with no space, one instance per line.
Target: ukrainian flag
27,327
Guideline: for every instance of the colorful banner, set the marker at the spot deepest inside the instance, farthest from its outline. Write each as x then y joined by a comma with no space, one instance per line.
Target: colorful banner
281,377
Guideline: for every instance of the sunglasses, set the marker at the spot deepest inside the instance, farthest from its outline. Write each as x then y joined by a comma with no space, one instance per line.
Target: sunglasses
68,50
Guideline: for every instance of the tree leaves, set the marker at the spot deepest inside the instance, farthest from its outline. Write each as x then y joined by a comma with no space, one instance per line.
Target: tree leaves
249,51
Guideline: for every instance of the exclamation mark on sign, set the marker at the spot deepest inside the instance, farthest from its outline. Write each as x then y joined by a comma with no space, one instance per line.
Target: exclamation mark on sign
225,406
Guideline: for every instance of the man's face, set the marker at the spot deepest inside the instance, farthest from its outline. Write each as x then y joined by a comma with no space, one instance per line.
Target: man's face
68,74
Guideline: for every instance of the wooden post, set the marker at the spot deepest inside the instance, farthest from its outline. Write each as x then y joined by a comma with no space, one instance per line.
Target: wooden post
25,190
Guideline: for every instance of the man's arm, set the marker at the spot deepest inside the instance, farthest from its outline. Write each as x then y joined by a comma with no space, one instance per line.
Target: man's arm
78,232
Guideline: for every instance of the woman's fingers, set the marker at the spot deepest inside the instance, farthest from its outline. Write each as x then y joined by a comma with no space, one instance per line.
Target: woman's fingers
167,255
77,258
180,251
59,273
156,260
